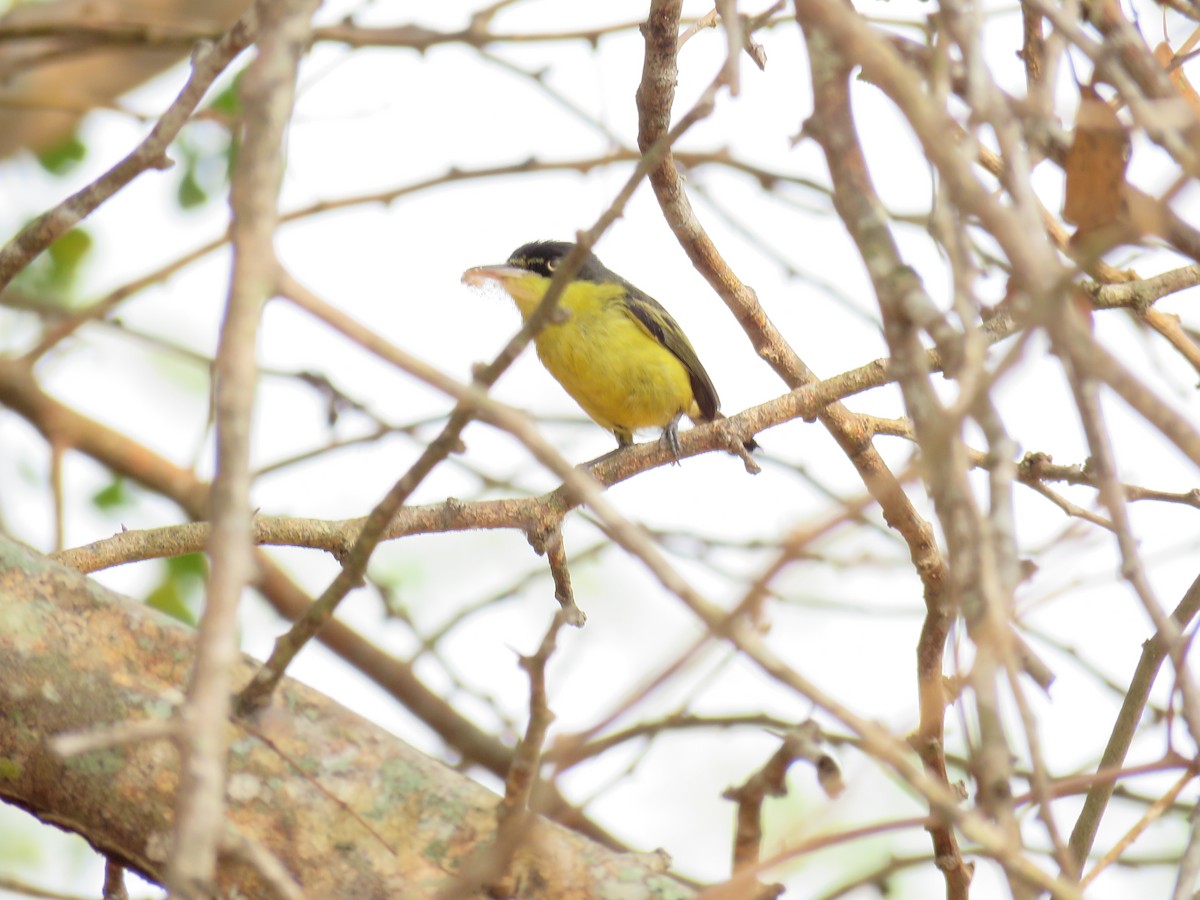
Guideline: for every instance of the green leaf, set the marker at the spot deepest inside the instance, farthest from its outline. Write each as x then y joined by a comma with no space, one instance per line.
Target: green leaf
113,496
53,273
189,567
190,194
62,158
231,154
229,101
167,598
183,581
66,254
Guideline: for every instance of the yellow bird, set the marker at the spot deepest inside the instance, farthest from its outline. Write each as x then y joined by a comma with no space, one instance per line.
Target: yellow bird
618,353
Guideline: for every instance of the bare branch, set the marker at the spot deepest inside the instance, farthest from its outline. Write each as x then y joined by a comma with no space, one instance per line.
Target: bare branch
268,95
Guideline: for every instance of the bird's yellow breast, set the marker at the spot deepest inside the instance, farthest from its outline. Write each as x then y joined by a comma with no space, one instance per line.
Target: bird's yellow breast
606,359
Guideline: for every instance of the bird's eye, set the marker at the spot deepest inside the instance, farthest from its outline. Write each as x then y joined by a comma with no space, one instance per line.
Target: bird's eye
551,265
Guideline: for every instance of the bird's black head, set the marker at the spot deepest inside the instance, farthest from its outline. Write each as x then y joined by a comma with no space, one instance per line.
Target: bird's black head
543,258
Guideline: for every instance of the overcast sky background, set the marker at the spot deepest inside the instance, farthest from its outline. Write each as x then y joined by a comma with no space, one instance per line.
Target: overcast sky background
373,119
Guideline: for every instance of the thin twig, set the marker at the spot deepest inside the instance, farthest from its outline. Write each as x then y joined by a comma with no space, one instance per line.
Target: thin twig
1189,865
1148,818
1133,704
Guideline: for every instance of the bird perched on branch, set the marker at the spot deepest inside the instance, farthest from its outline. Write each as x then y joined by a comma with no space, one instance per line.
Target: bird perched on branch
616,351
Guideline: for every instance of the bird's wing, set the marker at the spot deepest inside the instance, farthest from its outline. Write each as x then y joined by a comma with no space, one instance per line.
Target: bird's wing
663,328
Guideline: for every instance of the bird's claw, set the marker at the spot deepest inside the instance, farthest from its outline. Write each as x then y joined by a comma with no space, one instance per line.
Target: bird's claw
670,439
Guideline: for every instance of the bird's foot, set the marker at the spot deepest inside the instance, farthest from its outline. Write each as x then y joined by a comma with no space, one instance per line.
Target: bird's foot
670,439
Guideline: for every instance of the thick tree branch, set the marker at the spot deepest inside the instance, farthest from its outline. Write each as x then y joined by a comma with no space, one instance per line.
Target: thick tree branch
75,657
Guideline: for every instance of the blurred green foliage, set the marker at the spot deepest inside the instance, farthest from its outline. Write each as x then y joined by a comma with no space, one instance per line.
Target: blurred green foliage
178,593
53,275
113,496
64,157
207,148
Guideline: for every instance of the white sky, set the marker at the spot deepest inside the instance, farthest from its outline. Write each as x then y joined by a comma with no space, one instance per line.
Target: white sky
373,119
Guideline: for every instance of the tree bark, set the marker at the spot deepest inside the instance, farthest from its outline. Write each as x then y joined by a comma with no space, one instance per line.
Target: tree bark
349,810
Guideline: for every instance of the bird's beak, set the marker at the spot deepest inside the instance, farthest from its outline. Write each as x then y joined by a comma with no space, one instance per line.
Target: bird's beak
481,275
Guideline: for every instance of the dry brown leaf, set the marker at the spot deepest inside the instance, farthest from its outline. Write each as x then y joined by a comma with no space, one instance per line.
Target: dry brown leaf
1095,164
1166,56
1147,214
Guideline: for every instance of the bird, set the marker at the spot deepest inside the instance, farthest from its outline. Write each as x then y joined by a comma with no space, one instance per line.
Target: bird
619,354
